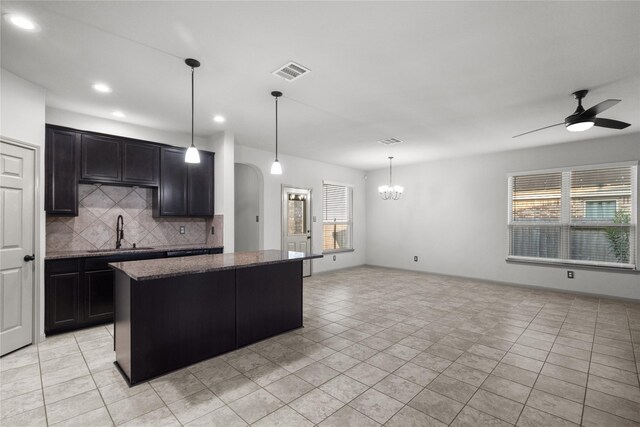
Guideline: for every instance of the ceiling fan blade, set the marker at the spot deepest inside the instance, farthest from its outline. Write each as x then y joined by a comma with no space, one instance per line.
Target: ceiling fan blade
599,108
613,124
531,131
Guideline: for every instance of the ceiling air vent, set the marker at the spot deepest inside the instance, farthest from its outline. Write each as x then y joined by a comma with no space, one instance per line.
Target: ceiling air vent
291,71
390,141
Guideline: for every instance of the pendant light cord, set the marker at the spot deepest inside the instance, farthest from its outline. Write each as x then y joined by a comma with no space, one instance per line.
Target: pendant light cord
192,102
390,180
276,128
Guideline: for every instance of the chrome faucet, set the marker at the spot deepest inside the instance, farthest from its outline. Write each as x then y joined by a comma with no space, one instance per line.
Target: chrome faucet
119,231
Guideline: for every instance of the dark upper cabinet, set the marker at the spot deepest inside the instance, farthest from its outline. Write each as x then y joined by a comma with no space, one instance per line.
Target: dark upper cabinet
115,160
101,159
200,183
62,150
185,189
171,197
140,163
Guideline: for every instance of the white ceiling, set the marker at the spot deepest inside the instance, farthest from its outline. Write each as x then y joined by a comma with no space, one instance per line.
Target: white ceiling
448,78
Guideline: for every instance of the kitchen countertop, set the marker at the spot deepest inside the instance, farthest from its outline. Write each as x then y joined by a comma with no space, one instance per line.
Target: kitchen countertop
180,266
98,252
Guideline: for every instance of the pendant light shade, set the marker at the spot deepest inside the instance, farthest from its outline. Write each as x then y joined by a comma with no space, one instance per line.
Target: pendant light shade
192,155
276,167
390,192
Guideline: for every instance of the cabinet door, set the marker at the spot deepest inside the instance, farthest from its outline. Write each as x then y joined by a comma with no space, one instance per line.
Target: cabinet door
100,159
172,197
268,301
61,301
98,295
61,172
140,163
201,186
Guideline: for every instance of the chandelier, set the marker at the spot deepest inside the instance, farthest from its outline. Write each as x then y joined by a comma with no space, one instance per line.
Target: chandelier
390,192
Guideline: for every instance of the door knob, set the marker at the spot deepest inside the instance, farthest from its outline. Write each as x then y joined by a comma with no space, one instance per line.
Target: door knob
29,257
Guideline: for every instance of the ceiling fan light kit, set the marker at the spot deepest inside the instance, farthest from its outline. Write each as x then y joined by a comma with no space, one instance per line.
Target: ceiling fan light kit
582,119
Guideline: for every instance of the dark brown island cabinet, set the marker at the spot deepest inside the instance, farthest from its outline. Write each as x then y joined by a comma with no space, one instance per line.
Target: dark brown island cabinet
73,156
171,314
79,290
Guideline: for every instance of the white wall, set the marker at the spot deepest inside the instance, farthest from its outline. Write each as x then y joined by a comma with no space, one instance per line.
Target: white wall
247,207
22,118
305,173
453,215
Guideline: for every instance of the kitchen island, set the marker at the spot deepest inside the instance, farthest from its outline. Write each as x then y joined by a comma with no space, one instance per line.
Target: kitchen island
171,313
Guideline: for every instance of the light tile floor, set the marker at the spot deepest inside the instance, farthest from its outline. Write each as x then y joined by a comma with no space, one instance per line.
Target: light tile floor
379,347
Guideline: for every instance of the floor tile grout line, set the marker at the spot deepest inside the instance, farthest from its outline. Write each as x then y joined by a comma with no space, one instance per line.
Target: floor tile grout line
44,402
494,368
93,379
564,320
586,386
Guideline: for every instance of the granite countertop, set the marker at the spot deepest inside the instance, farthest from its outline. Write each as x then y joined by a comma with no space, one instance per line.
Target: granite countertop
180,266
99,252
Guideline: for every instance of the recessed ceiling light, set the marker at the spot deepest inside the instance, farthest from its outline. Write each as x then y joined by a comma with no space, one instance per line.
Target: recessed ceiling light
22,22
118,113
101,87
219,119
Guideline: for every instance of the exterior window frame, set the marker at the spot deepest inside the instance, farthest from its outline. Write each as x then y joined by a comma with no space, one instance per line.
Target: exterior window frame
566,223
348,223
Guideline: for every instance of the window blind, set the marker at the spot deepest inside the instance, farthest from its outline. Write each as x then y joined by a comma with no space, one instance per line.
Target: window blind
337,217
584,216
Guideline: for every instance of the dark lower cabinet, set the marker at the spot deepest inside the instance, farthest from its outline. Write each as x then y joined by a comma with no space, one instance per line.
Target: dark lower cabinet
79,291
165,324
191,317
269,301
98,298
62,297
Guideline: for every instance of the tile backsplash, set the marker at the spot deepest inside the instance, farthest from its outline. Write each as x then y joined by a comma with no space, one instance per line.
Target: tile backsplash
95,225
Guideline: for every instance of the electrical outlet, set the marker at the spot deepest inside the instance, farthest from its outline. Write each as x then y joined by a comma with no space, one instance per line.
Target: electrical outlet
415,258
569,274
182,229
212,230
314,218
334,257
257,218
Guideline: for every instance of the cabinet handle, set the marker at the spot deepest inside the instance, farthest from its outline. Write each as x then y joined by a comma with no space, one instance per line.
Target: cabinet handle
30,257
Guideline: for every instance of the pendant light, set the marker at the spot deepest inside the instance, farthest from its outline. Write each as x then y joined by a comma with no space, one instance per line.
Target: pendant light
390,192
192,155
276,168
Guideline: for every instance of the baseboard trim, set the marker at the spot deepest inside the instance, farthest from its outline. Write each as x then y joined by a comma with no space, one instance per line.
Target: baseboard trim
504,283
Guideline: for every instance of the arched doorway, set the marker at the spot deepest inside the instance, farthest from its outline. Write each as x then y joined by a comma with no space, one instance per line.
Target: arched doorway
248,215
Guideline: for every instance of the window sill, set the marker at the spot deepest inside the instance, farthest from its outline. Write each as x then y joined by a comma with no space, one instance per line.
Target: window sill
337,251
574,265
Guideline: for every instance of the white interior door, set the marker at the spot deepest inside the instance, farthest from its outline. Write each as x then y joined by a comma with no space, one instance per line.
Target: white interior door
16,241
296,224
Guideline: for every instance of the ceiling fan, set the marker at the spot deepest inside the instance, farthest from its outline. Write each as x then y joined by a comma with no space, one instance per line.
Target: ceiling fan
582,119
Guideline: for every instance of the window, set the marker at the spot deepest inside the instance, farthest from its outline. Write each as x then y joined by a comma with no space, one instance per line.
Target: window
337,217
583,216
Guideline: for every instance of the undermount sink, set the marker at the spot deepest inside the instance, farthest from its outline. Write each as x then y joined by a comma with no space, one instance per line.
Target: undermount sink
119,250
